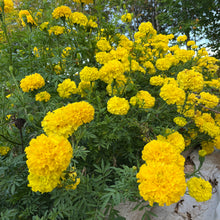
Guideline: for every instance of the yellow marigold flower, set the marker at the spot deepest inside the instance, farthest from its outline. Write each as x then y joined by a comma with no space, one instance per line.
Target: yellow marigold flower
194,47
44,25
208,146
61,12
125,42
121,54
126,17
156,80
8,96
172,94
31,82
190,43
184,55
8,6
111,70
209,100
103,45
143,99
89,74
57,30
78,18
150,67
162,151
189,79
160,183
44,155
202,52
136,67
181,38
92,24
163,64
118,106
103,57
206,124
65,120
147,28
202,153
42,96
8,117
4,150
66,88
27,15
180,121
177,140
65,52
199,189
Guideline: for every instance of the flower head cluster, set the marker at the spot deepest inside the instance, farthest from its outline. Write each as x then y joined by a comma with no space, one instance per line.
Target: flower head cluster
66,88
180,121
103,57
43,96
61,12
118,106
163,64
147,28
29,19
126,17
47,158
57,30
111,70
199,189
209,100
83,1
189,79
89,74
78,18
150,67
143,99
103,45
181,38
65,120
31,82
85,87
156,80
4,150
172,94
8,6
161,183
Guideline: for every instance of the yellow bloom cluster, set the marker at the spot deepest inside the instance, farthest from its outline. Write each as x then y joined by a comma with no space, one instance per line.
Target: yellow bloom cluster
8,6
207,147
126,17
207,124
61,12
66,88
180,121
111,70
156,80
47,158
57,30
65,120
161,183
181,38
209,100
143,99
118,106
85,87
150,67
89,74
27,15
163,64
31,82
43,96
103,57
190,80
199,189
4,150
103,45
147,28
78,18
172,94
190,43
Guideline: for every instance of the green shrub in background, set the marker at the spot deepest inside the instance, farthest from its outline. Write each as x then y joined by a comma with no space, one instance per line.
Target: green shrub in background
94,114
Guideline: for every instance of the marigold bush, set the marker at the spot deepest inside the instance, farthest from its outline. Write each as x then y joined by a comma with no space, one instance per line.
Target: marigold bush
94,113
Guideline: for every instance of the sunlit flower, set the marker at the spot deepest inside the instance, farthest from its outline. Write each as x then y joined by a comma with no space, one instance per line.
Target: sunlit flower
57,30
8,6
42,96
118,106
199,189
89,74
66,88
181,38
180,121
25,14
126,17
61,12
31,82
78,18
4,150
